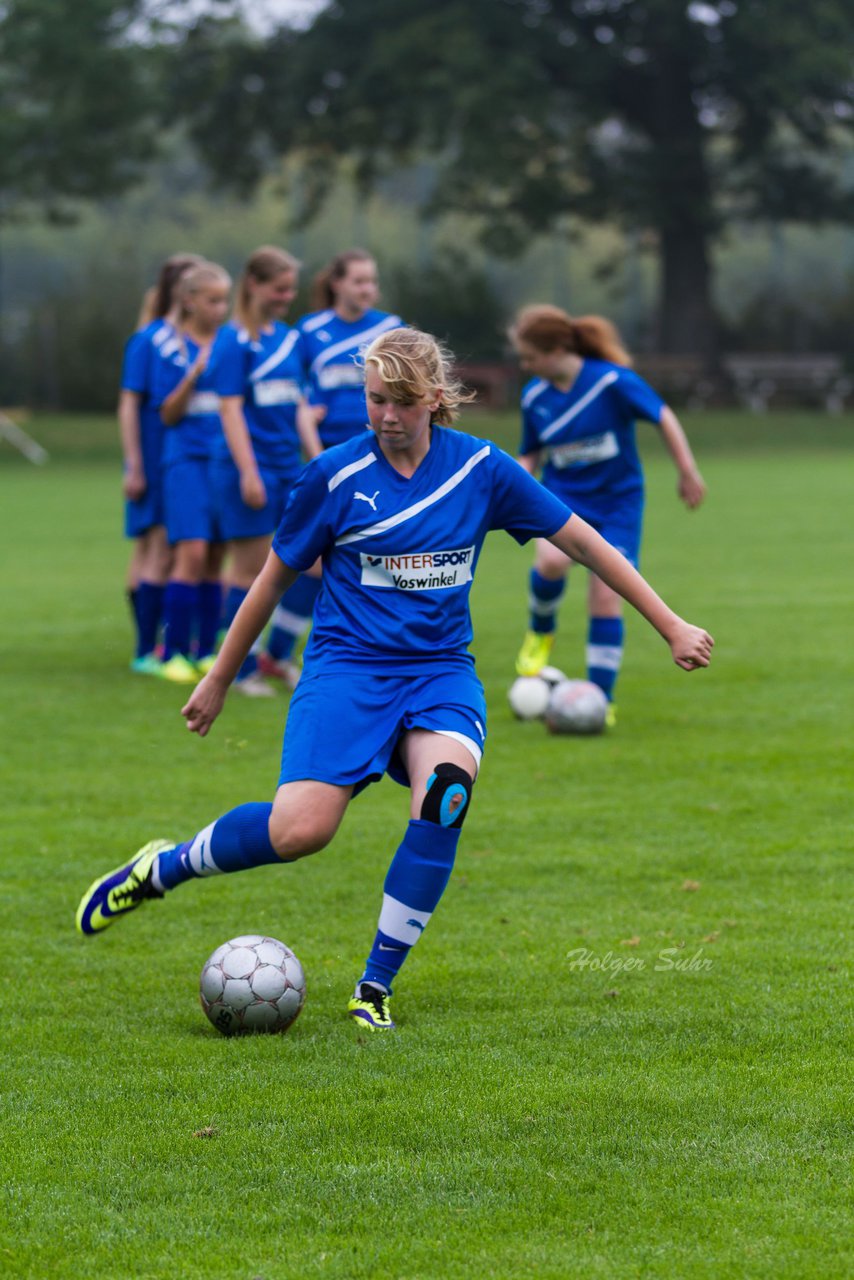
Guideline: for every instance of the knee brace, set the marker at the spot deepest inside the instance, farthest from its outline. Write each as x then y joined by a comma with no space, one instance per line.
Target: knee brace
449,784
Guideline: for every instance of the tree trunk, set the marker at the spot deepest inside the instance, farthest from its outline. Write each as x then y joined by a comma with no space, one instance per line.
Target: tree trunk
686,324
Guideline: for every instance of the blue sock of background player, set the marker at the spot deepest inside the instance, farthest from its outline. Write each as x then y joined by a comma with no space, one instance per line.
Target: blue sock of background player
292,617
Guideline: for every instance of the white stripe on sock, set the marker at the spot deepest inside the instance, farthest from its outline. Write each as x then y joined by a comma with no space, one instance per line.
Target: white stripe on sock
607,657
402,923
201,859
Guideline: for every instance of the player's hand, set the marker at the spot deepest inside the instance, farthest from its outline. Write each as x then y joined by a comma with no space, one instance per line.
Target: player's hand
692,489
204,705
252,490
201,362
134,483
691,646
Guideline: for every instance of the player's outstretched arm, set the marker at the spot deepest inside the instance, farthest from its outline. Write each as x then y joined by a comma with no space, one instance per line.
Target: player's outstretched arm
692,486
206,700
691,646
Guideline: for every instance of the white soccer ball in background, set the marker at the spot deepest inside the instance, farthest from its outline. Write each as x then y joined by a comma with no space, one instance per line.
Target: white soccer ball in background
576,706
529,695
252,983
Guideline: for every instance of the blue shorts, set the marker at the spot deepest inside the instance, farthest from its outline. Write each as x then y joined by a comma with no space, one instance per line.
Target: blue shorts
188,503
236,520
146,512
620,523
344,727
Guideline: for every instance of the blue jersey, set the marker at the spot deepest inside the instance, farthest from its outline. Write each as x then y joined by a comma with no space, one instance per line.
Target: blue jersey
269,373
399,554
197,434
336,375
586,435
137,375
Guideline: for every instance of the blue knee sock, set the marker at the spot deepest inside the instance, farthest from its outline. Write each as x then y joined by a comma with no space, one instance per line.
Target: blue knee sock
233,600
235,842
149,608
180,604
544,601
292,617
604,653
210,616
416,880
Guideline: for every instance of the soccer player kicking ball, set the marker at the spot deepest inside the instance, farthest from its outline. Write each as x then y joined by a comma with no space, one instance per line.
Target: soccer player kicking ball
399,517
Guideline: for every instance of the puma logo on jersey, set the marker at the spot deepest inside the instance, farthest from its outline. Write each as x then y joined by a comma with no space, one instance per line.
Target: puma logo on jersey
364,497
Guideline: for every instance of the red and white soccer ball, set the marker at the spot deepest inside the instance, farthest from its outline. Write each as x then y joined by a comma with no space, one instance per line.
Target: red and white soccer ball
576,706
529,695
252,983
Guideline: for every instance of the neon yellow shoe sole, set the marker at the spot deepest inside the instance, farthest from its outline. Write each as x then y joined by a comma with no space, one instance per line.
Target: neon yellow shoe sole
535,652
120,890
369,1006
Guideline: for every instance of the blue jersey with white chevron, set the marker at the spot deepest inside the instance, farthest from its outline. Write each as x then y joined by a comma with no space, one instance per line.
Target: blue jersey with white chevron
586,435
335,374
198,432
399,554
269,373
137,376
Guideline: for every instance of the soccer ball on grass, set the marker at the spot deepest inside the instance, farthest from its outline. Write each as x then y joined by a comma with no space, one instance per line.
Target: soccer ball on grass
529,695
576,706
252,983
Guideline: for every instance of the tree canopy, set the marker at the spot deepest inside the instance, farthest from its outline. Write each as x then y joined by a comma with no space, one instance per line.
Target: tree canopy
662,115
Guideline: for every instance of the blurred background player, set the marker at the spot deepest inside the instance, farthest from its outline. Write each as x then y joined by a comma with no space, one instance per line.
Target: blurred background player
578,425
260,374
389,684
141,432
185,392
345,319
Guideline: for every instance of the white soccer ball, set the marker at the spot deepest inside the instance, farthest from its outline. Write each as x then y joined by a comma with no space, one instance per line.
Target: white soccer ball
576,706
252,983
529,695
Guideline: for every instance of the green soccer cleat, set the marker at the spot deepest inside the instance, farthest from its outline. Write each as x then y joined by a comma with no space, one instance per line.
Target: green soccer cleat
535,652
147,665
369,1005
203,665
121,890
611,716
179,670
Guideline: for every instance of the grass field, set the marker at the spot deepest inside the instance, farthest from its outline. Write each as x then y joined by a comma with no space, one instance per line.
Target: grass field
546,1109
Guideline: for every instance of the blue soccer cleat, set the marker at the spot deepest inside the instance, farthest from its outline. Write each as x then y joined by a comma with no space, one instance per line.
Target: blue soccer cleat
121,890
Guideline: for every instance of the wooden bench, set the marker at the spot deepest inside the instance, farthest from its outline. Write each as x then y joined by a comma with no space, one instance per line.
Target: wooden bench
497,385
758,379
683,379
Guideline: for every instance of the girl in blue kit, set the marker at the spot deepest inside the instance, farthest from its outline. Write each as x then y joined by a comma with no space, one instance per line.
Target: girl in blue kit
259,376
345,293
142,449
399,516
578,425
185,391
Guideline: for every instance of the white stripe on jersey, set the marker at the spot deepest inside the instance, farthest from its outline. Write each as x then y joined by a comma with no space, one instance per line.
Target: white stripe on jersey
317,322
407,514
531,394
280,354
595,390
350,470
355,340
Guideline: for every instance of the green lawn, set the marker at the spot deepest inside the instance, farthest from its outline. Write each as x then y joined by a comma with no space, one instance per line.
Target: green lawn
534,1116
